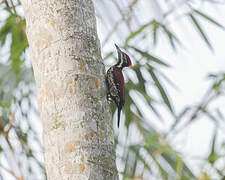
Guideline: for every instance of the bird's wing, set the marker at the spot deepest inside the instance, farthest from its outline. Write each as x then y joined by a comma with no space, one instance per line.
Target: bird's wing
119,79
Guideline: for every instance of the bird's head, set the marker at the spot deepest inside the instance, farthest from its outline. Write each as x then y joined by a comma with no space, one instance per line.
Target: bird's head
123,59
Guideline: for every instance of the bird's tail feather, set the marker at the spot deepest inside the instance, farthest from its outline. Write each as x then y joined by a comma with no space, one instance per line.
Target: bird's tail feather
118,121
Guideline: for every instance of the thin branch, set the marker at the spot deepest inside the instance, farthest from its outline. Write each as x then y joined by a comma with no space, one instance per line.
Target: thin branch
6,135
200,108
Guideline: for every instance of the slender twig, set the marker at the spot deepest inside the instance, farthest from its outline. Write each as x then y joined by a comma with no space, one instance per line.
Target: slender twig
200,108
6,135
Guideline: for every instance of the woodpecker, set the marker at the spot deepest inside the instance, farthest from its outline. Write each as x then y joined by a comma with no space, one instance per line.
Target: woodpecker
115,81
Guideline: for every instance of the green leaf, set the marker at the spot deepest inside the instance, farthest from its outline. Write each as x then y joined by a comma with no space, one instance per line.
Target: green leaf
171,36
150,103
162,171
22,136
179,118
204,176
212,76
150,57
133,34
153,149
217,84
18,44
208,18
179,167
167,79
200,30
213,156
130,162
220,114
161,89
141,83
6,29
136,149
140,88
155,30
126,109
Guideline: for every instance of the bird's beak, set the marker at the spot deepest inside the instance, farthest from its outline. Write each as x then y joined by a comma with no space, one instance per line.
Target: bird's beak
118,49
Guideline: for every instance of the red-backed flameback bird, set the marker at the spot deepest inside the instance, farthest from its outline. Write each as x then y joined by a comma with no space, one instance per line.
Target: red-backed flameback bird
115,81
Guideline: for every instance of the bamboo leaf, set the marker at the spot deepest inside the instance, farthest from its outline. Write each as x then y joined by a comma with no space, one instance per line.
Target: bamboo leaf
220,114
169,155
155,31
162,171
208,18
179,117
150,57
133,34
213,156
136,149
171,36
149,101
140,88
200,30
161,89
6,29
129,115
167,79
179,167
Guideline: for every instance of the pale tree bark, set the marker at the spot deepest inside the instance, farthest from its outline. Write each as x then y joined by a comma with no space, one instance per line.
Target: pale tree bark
70,78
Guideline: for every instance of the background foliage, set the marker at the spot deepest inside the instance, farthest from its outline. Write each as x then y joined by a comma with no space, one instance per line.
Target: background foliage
151,154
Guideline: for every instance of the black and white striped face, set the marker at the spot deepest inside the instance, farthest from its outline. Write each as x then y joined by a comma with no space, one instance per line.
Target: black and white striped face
123,59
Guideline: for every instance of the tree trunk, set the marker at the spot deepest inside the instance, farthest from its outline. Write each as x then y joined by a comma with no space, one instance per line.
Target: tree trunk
70,78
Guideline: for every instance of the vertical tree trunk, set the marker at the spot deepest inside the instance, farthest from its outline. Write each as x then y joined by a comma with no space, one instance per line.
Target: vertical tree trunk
69,73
